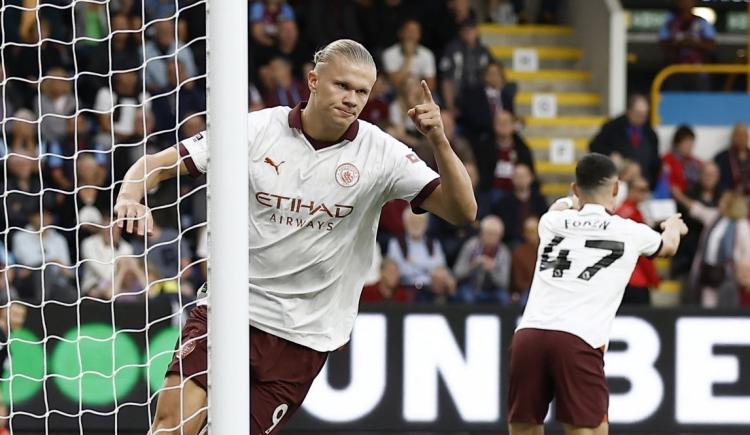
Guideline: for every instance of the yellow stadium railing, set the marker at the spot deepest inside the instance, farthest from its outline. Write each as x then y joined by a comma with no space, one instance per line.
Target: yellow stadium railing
689,69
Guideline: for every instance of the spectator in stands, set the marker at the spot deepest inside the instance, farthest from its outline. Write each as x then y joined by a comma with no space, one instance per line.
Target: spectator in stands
459,143
38,245
286,90
522,202
328,20
524,262
480,103
10,95
631,137
269,19
108,268
628,171
56,103
192,99
91,23
377,110
254,99
453,237
446,24
644,275
725,242
462,64
391,222
686,38
498,156
420,259
707,192
483,266
22,137
7,274
168,256
23,186
164,44
126,50
383,283
386,21
682,168
118,109
401,126
408,57
734,162
158,9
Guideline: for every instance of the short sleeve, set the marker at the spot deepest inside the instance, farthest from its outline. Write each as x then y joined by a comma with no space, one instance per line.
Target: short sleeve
546,230
648,242
410,178
194,153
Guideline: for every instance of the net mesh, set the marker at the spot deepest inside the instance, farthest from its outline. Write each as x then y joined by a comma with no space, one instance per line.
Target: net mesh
89,316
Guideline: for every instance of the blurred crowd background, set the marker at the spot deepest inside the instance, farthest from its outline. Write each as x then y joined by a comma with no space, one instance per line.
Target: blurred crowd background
76,115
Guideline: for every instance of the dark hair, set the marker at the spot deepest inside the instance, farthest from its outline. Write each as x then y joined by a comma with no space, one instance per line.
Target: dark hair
593,171
683,132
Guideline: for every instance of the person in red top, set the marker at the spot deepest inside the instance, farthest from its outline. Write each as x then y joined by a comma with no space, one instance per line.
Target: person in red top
681,167
644,275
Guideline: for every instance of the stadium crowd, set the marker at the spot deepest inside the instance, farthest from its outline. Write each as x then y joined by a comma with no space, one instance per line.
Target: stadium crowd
83,112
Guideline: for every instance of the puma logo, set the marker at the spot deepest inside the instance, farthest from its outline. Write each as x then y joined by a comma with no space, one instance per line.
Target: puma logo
273,164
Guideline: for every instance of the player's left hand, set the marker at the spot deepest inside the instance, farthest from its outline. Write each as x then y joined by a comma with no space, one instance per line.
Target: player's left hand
426,116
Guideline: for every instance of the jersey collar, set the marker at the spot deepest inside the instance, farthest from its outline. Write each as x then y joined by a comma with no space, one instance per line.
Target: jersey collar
594,208
295,121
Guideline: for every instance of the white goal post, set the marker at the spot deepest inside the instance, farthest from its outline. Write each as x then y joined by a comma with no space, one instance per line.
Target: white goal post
228,189
90,315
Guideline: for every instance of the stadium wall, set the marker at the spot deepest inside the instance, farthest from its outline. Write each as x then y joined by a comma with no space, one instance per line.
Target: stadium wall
439,369
601,33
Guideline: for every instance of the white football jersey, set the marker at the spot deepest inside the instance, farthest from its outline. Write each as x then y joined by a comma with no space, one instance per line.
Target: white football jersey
584,262
313,219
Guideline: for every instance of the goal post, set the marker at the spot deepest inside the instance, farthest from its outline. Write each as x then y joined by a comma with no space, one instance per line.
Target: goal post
90,315
228,189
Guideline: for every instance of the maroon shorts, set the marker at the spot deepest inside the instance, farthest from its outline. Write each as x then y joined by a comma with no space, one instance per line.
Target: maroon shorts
554,364
281,372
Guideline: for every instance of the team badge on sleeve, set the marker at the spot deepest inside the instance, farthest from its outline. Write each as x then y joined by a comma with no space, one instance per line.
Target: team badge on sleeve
347,175
412,158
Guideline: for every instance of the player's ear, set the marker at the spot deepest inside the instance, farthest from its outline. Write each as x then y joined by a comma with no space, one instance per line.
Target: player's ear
615,189
574,188
312,81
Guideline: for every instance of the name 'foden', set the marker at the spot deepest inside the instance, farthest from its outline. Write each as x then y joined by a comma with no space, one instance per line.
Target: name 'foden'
597,224
299,205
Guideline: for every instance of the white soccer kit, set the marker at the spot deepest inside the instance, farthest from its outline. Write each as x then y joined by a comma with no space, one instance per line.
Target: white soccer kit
584,262
313,219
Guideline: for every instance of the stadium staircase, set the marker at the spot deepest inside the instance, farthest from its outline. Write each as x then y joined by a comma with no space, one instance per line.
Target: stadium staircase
580,112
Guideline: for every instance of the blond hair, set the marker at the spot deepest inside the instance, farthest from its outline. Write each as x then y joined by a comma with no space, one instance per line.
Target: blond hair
347,49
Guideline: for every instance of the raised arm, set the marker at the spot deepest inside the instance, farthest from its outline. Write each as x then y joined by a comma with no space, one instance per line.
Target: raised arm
153,168
453,200
673,229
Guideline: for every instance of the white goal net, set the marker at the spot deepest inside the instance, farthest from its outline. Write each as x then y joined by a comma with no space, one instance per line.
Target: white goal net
89,315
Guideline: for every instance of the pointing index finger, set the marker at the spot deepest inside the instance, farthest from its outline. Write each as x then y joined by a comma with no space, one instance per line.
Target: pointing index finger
427,94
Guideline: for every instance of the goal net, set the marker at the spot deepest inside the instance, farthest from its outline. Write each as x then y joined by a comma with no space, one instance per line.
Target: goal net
89,315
